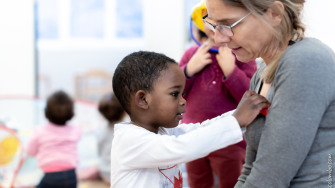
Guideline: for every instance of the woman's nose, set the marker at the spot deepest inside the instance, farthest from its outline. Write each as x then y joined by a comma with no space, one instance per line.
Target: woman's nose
221,39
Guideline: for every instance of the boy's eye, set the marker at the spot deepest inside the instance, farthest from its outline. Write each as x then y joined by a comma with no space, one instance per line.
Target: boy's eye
175,94
183,94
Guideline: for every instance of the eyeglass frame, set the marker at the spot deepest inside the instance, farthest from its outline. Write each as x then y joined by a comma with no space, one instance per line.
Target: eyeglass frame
213,27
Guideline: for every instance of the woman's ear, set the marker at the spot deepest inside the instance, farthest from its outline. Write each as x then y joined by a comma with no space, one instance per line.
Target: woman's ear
141,99
275,13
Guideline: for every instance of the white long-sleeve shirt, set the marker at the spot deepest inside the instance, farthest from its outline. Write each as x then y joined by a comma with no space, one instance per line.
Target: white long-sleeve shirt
143,159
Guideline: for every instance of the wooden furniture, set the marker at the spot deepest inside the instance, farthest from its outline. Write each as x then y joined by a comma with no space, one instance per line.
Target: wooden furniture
93,85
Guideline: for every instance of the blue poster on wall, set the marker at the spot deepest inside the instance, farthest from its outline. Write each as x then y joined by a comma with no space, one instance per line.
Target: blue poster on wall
129,21
47,19
87,18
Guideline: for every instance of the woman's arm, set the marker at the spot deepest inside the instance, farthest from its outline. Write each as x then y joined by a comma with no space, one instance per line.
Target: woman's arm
247,166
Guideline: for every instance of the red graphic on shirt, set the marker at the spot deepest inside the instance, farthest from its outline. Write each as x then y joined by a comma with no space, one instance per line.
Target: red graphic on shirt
178,182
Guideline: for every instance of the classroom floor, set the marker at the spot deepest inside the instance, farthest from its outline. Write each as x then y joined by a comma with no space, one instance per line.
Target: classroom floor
92,184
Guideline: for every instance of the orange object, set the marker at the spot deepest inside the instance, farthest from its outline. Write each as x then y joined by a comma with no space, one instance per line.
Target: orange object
197,14
8,148
11,156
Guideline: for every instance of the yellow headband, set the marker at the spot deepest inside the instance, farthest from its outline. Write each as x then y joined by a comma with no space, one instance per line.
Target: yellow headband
197,14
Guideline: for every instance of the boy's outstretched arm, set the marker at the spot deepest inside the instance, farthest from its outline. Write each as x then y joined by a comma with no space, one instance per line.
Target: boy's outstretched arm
249,107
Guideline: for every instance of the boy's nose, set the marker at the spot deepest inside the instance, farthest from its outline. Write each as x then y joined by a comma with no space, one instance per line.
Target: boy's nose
182,101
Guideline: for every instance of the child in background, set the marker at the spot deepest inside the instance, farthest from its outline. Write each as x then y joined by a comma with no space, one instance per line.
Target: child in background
109,107
55,144
146,152
198,35
215,83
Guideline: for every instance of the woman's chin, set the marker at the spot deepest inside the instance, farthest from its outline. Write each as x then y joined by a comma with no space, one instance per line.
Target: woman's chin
243,58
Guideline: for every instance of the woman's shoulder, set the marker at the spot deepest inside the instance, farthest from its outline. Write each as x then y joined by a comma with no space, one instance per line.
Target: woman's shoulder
309,47
309,52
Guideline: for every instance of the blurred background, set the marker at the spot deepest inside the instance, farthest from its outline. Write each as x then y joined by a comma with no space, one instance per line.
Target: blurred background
75,45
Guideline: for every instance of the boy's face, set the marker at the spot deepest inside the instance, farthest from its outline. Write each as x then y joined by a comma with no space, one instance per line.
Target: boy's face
166,101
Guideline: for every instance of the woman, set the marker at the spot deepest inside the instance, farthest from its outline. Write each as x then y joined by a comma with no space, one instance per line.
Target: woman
292,146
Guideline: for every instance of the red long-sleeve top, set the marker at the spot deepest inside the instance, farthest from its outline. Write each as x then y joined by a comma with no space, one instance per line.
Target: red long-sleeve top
209,93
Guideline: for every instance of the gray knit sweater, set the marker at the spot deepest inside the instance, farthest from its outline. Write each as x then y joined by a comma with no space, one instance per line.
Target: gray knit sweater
294,145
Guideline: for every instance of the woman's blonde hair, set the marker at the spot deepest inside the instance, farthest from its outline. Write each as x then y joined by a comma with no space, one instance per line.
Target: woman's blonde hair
290,28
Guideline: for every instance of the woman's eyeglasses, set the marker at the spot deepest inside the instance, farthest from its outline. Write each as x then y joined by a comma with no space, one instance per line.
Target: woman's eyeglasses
223,29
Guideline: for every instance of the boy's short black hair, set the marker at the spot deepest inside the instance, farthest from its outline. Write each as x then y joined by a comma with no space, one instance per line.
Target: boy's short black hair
138,71
59,108
110,107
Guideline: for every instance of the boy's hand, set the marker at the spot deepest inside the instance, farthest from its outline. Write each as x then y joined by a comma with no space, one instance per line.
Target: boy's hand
226,60
199,60
249,107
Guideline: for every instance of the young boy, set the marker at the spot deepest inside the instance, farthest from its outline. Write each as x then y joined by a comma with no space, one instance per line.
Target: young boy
146,151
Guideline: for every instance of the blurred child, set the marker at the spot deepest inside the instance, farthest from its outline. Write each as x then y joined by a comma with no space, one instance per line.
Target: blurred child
215,83
199,36
146,152
55,144
111,109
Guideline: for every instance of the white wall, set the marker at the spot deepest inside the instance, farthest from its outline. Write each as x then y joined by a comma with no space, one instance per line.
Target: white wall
17,55
319,19
164,27
61,65
164,31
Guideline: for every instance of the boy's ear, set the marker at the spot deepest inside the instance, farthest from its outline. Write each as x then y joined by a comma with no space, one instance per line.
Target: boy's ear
141,99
